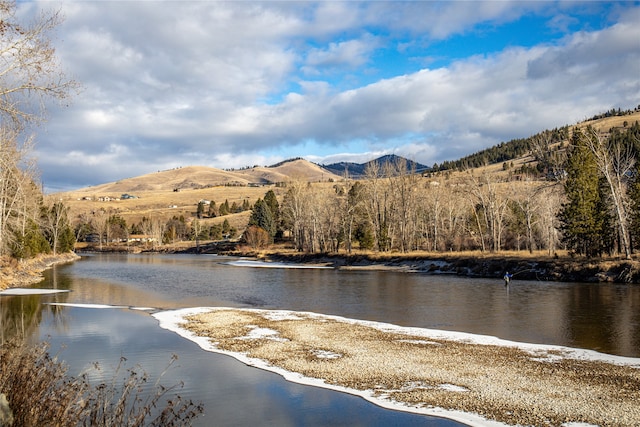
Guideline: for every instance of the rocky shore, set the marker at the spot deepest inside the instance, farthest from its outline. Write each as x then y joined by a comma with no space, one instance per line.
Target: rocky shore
510,383
16,273
544,268
522,265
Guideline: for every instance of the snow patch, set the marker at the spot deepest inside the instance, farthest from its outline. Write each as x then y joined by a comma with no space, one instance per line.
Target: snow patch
325,354
78,305
31,291
263,264
420,342
175,319
257,333
453,387
278,315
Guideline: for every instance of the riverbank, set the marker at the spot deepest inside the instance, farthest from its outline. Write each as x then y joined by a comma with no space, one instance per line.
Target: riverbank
479,265
15,273
560,267
477,380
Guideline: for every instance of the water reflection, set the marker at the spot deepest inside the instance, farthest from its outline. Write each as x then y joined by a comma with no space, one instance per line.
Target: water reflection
233,394
21,316
604,317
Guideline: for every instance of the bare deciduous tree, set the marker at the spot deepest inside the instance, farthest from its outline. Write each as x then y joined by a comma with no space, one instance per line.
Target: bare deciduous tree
29,72
18,194
55,220
614,162
489,208
29,75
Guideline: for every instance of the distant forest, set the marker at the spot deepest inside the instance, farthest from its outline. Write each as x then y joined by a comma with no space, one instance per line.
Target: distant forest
516,148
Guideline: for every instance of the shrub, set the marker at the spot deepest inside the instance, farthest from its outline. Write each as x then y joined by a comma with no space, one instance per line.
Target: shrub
40,392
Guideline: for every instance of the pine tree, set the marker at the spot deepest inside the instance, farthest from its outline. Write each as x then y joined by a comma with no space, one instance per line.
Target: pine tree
581,216
224,208
634,198
271,201
261,217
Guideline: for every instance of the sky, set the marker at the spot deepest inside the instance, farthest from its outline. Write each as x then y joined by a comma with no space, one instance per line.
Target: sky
233,84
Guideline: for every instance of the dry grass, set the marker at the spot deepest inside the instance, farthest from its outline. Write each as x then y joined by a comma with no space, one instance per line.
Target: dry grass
40,393
26,272
159,204
604,124
157,198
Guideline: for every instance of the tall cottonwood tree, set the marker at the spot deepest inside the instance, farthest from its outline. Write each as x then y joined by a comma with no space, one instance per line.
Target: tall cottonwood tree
403,185
56,226
489,208
16,189
294,205
29,75
614,162
379,206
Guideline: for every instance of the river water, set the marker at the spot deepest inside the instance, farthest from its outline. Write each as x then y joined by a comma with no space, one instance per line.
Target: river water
602,317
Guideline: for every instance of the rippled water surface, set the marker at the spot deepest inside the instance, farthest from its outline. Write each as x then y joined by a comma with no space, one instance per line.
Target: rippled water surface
603,317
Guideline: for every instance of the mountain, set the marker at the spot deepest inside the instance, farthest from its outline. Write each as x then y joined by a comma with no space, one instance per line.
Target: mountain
197,177
357,170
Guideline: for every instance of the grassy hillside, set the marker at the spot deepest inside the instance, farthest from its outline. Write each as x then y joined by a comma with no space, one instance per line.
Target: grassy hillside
176,193
521,147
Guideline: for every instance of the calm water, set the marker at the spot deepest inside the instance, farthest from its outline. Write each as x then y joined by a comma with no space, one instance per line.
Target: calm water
604,317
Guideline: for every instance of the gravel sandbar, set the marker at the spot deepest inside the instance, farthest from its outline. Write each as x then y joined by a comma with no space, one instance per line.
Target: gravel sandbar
514,385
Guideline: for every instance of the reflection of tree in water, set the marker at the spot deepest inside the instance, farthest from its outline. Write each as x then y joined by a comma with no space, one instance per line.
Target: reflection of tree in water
20,316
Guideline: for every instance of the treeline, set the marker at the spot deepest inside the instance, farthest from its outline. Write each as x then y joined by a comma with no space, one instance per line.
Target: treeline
503,152
614,113
582,194
591,208
393,208
103,228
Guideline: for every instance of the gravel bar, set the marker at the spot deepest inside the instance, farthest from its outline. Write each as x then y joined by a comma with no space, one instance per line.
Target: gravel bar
515,384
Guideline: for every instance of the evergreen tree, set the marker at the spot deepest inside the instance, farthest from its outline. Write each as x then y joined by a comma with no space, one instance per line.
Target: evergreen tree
175,230
272,202
582,216
261,217
634,198
227,229
117,228
30,243
224,208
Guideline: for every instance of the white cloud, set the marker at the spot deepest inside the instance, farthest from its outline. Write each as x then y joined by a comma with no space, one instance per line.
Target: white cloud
221,83
349,54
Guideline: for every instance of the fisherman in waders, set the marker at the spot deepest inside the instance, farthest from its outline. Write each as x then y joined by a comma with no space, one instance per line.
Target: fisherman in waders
507,278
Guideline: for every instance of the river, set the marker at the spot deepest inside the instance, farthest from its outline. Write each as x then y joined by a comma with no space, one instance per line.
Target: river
602,317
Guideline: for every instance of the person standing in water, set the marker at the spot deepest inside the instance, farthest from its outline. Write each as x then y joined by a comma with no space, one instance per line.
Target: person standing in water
507,278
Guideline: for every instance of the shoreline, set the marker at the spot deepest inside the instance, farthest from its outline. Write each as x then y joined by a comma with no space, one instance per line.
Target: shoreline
17,273
477,380
522,266
480,265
